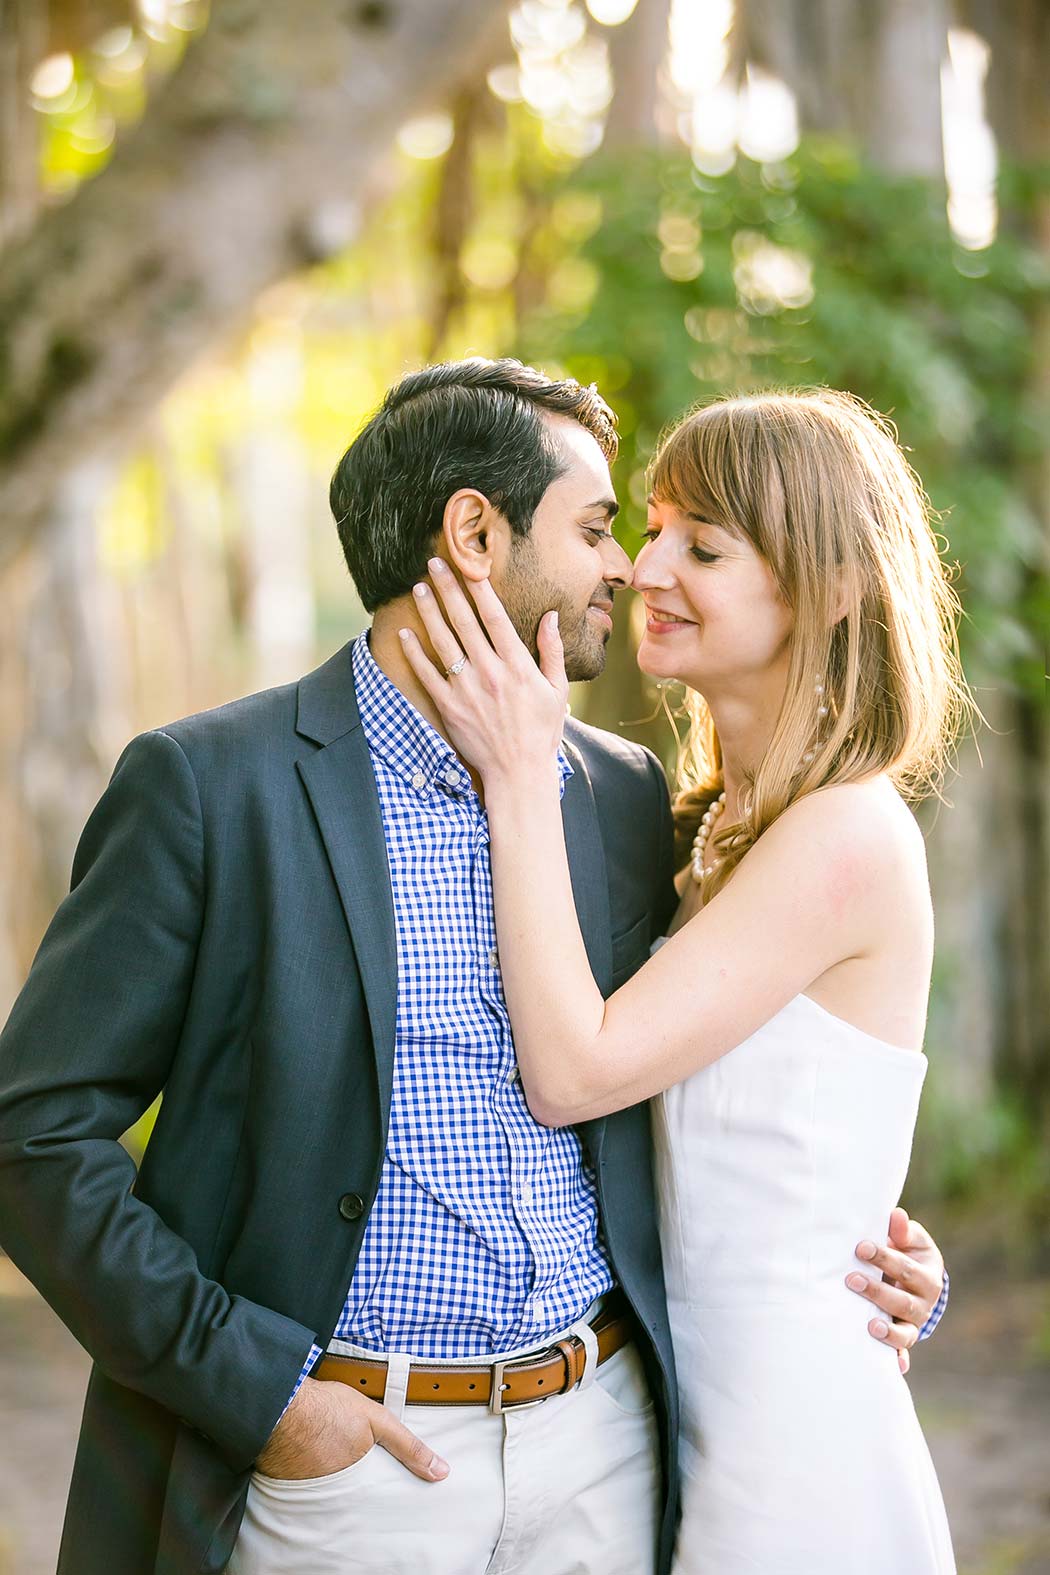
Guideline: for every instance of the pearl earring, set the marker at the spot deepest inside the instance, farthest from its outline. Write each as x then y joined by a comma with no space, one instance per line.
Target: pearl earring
823,710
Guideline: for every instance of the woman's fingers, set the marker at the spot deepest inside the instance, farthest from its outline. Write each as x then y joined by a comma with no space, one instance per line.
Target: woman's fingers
506,641
552,653
437,687
460,614
445,643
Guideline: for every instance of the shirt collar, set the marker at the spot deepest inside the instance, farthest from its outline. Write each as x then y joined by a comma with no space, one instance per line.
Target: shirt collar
404,739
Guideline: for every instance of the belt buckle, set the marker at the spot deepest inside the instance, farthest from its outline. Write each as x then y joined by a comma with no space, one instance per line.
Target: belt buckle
498,1386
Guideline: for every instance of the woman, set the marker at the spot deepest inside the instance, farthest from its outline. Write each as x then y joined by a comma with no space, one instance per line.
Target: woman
792,582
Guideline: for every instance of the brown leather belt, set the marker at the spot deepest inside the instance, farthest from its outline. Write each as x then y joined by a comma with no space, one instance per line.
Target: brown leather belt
551,1371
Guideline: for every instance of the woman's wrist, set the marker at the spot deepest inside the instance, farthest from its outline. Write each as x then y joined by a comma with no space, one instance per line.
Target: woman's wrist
516,783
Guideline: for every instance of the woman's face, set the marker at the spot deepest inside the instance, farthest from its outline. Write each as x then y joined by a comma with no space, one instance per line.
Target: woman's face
715,618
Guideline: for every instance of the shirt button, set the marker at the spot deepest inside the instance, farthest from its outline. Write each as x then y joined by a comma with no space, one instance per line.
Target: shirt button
525,1195
494,958
453,777
538,1305
351,1206
419,780
512,1075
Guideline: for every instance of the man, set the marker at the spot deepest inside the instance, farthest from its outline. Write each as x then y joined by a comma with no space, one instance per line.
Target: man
349,1251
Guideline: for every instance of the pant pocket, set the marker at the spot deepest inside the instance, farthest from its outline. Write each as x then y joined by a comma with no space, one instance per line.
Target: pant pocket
622,1381
293,1487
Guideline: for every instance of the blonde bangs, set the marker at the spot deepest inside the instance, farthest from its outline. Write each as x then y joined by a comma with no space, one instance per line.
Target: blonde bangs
693,470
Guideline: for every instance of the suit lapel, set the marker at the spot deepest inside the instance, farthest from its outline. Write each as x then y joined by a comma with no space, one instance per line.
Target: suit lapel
341,786
590,888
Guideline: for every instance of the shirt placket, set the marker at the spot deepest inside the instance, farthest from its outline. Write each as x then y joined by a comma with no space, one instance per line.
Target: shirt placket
524,1152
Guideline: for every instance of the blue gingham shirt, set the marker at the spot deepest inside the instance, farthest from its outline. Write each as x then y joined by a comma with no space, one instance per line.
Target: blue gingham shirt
484,1233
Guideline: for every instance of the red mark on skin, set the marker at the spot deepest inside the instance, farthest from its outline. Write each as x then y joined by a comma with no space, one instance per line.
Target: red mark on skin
848,882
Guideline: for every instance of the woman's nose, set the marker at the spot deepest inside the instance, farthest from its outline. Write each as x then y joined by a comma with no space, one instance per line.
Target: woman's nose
652,569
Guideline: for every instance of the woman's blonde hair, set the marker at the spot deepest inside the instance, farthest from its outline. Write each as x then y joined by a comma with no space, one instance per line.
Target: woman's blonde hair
817,482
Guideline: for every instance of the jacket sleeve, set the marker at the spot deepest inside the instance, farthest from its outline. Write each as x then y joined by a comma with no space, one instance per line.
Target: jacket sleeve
87,1048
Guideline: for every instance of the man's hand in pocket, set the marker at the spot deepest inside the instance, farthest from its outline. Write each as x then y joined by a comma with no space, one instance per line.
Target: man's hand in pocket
328,1427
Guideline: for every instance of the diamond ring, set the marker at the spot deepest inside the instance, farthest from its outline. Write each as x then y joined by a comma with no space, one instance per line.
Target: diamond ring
457,667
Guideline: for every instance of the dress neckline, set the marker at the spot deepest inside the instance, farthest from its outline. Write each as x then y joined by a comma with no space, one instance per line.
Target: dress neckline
862,1033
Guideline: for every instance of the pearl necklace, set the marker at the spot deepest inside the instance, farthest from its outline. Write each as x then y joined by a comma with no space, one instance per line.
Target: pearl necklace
711,816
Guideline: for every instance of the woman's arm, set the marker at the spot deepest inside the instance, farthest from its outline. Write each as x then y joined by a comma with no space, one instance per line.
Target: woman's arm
797,904
789,914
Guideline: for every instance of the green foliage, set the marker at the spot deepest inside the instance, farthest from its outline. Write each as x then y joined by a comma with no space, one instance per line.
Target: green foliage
823,271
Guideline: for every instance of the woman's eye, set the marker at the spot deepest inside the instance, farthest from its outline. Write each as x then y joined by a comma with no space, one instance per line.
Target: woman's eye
650,535
703,556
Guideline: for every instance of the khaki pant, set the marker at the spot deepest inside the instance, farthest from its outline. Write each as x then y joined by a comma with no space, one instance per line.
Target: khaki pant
566,1486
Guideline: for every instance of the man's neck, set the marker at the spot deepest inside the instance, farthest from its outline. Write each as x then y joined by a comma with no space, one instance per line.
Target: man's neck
389,656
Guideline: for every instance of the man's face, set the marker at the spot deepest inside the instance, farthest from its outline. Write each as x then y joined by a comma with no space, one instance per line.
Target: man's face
569,561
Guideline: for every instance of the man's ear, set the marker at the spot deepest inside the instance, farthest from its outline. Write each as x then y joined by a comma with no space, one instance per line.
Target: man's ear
473,534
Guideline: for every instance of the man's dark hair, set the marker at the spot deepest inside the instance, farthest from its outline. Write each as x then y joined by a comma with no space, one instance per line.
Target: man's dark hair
460,424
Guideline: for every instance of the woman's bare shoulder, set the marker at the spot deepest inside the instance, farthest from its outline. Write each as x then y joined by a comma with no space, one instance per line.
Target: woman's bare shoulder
865,829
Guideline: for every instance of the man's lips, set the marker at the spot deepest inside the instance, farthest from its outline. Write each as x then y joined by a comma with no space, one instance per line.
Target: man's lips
659,622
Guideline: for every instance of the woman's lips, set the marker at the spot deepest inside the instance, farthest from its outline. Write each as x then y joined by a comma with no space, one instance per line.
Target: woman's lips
659,623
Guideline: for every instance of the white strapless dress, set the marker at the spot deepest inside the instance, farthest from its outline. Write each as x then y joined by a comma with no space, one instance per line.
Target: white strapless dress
801,1451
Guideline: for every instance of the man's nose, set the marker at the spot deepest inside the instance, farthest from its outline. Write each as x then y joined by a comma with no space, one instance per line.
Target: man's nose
617,568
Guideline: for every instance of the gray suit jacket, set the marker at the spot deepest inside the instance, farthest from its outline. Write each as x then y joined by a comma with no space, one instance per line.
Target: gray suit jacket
229,939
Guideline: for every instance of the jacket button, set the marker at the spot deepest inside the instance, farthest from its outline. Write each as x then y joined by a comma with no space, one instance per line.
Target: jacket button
351,1206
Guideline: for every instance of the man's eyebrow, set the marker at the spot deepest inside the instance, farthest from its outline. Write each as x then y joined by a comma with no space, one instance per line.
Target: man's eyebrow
608,506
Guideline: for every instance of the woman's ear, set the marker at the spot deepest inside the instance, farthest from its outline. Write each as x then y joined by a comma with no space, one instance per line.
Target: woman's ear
473,533
843,596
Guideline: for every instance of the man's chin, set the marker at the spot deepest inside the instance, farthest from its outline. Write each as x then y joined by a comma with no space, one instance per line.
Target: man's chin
583,666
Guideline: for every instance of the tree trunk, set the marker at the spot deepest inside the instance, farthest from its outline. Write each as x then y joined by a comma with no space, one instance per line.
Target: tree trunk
1018,107
252,161
75,24
23,43
867,71
637,54
622,699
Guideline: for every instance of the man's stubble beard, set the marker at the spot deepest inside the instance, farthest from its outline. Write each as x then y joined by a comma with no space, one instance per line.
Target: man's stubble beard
527,594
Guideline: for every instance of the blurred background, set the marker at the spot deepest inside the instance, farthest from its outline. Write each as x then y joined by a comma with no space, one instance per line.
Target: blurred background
225,231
